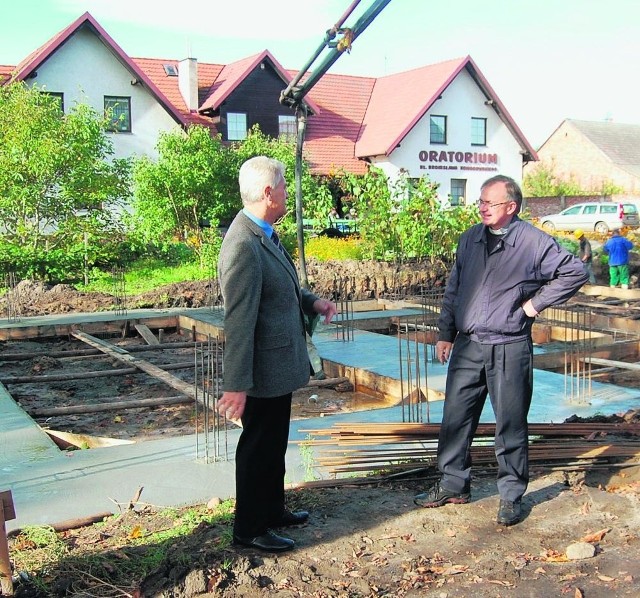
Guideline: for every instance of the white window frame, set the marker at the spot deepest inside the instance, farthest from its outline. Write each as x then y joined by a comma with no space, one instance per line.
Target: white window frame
458,199
478,131
236,126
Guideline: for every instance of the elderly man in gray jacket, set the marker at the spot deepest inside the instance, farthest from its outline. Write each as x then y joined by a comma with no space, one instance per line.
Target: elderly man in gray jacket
266,355
506,272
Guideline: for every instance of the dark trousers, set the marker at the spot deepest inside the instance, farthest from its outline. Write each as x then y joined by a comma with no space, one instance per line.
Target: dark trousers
505,372
260,464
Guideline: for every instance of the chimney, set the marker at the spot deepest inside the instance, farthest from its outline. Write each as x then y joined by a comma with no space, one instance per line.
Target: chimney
188,82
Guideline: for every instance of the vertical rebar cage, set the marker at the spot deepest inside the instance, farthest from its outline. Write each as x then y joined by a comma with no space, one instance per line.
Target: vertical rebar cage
212,442
13,298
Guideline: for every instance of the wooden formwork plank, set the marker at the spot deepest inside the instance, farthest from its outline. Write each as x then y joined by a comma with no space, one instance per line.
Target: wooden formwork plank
623,365
122,355
617,351
146,334
389,390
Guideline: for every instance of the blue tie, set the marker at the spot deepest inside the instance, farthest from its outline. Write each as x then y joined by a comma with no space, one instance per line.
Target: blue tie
276,240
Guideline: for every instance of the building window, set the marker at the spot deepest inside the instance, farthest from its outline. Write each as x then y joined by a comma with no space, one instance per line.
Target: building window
236,126
458,191
438,129
57,96
118,112
478,131
287,127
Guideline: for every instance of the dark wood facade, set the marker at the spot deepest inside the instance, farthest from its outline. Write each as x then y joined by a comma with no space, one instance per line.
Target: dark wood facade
258,96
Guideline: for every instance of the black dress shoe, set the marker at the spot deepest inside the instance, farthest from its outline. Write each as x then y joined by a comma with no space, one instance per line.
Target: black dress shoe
509,512
292,518
269,542
438,496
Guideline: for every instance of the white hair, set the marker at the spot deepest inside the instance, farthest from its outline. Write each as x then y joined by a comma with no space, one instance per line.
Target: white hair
256,174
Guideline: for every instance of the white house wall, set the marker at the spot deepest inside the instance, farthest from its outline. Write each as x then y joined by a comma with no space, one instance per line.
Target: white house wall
461,101
84,70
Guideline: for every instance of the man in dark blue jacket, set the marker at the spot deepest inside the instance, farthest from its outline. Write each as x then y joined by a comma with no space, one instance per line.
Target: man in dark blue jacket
506,272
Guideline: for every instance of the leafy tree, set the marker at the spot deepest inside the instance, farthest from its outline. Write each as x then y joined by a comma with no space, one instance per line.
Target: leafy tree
181,192
60,187
427,228
406,219
195,181
313,193
540,182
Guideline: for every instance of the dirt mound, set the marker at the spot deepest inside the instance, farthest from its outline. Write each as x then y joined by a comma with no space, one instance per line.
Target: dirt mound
337,280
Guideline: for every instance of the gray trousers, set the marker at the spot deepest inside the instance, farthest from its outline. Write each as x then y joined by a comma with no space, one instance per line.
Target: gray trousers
505,372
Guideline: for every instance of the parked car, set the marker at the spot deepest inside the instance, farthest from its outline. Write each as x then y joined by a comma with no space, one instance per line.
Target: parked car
598,217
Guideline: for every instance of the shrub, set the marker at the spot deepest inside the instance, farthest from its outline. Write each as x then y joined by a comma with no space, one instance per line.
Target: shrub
326,248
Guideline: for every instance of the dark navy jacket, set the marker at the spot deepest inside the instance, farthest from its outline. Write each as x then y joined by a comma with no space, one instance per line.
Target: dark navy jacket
485,292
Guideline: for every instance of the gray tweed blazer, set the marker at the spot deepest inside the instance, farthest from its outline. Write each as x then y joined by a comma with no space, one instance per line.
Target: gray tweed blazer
265,344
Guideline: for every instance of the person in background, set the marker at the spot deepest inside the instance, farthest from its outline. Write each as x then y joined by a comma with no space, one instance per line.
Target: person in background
333,216
585,254
265,356
506,272
618,247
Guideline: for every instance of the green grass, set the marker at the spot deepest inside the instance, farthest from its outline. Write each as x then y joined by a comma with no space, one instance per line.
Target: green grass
119,552
146,275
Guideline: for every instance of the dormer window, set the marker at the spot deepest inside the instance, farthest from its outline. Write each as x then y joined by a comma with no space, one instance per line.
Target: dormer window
171,70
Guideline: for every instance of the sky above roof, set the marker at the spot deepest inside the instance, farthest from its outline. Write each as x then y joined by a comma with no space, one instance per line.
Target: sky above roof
547,60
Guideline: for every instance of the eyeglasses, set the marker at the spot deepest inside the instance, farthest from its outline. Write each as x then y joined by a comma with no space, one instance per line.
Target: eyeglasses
481,203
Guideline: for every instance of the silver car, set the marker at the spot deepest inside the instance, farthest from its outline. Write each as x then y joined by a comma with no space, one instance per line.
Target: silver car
592,216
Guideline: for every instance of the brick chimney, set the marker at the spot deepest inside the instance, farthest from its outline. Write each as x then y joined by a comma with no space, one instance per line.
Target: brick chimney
188,82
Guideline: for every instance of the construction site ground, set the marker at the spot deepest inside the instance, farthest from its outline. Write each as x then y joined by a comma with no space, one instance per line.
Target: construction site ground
364,538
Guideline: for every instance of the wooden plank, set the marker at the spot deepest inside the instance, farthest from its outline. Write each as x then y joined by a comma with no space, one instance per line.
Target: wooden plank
45,378
7,513
121,355
146,334
100,407
26,331
85,352
6,504
386,389
623,365
603,291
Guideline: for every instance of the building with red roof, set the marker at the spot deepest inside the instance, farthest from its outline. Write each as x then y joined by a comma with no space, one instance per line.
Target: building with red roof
442,120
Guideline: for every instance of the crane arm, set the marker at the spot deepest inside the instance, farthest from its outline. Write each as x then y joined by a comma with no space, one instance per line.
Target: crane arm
295,92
